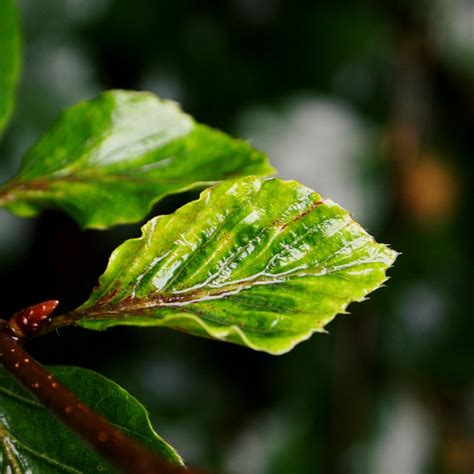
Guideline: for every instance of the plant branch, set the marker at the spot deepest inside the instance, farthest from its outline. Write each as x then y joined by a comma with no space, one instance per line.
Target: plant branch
122,451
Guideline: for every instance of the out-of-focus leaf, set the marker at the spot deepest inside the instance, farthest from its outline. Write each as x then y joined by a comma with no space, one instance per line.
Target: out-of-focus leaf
259,262
107,160
33,441
9,58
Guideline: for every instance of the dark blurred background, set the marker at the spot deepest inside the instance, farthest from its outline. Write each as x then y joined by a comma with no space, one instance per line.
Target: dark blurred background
372,104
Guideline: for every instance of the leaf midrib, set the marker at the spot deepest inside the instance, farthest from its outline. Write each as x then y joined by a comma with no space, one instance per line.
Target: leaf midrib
44,184
140,307
5,434
10,455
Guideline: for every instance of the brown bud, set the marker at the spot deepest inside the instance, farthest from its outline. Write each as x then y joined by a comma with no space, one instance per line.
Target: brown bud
30,320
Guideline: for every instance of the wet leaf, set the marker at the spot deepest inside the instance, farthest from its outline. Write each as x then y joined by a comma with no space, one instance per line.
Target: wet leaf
259,262
107,160
9,58
34,441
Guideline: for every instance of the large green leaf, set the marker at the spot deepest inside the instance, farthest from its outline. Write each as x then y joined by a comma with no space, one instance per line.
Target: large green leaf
34,441
107,160
259,262
9,58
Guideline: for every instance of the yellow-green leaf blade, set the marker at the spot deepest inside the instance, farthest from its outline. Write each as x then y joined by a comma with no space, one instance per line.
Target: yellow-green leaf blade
9,58
32,440
259,262
107,160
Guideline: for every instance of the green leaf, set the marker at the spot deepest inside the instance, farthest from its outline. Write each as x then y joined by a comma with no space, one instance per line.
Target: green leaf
107,160
33,441
9,58
258,262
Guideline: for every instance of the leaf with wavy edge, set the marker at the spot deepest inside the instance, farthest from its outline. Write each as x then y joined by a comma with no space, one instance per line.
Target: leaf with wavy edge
107,160
9,58
258,262
33,441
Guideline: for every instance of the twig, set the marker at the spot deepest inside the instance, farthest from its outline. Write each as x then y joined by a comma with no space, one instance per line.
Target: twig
124,452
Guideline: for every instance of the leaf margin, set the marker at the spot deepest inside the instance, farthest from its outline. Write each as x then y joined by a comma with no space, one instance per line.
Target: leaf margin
15,66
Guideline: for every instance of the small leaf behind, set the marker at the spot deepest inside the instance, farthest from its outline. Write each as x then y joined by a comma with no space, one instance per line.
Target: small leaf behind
259,262
9,58
107,160
33,441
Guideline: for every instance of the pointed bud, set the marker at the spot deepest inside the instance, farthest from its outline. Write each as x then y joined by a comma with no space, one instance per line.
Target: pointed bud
30,320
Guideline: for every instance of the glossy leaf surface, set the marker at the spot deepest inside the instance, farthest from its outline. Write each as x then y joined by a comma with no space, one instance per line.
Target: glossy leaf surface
9,58
107,160
259,262
34,441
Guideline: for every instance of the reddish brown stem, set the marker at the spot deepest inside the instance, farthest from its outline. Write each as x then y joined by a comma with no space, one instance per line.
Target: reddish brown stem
122,451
